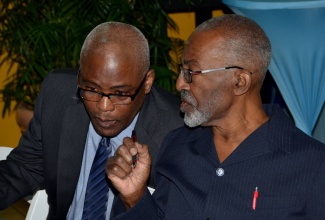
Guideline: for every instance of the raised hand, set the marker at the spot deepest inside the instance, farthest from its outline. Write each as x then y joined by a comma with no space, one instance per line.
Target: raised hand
129,180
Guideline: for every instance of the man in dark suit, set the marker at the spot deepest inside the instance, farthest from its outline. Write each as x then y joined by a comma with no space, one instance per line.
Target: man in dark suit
111,95
239,159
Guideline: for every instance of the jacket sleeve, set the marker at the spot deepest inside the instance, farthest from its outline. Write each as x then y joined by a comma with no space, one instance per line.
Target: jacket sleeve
22,173
144,209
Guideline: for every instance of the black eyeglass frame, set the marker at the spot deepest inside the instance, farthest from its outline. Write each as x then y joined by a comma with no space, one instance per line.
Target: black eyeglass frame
108,95
187,77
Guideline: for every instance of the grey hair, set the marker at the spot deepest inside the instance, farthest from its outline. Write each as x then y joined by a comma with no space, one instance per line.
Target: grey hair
126,35
245,41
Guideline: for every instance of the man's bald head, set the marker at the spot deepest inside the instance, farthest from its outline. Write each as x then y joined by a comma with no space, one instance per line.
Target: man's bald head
127,38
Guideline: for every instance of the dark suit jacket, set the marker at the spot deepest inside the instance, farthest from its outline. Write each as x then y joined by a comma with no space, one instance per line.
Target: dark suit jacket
50,153
286,165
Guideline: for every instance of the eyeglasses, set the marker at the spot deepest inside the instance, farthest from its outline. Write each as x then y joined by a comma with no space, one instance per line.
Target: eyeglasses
117,99
188,73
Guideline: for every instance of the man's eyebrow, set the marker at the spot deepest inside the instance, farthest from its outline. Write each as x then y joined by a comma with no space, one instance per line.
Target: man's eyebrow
187,62
122,86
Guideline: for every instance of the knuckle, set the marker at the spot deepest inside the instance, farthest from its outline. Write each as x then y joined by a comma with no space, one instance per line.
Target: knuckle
115,169
120,150
120,160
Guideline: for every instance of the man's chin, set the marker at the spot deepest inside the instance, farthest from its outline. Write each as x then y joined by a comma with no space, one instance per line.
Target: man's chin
191,123
194,119
107,132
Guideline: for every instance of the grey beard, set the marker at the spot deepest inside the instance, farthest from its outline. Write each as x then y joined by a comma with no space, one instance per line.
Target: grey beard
194,118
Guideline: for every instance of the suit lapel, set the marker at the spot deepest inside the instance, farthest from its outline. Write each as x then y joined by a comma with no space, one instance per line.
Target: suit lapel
148,127
149,130
72,143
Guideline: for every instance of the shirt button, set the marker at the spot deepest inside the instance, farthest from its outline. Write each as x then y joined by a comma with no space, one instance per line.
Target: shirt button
220,172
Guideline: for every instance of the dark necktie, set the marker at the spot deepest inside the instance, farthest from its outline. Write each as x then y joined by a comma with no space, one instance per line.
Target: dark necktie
97,188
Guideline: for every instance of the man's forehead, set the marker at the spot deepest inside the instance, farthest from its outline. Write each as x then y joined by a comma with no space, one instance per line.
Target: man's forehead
199,49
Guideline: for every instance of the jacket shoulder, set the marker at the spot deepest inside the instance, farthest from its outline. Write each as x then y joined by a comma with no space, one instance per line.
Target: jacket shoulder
164,99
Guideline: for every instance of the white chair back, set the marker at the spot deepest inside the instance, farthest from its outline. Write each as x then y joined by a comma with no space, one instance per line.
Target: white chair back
4,151
39,208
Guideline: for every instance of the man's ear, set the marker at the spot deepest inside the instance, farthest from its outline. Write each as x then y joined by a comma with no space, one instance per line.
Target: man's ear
150,79
243,83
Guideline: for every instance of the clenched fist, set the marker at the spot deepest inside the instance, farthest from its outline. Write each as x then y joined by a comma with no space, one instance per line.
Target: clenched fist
128,179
